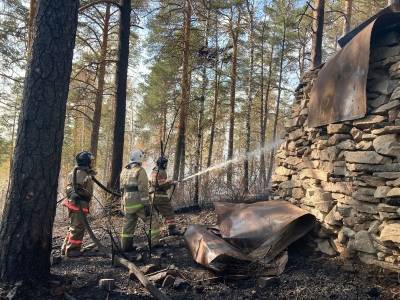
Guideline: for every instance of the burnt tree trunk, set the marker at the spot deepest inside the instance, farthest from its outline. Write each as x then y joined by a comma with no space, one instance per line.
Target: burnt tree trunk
185,94
318,32
120,99
232,98
94,139
26,228
348,9
278,101
250,10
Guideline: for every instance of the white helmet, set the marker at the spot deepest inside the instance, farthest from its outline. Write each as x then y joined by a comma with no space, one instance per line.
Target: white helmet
136,156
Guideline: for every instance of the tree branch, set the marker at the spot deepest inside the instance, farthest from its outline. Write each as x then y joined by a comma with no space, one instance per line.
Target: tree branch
89,5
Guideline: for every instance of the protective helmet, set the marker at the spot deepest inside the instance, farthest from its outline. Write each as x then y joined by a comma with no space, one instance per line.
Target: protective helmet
84,159
162,162
136,156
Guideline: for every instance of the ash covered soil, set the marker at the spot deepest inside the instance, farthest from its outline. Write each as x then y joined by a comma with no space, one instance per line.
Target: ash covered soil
308,275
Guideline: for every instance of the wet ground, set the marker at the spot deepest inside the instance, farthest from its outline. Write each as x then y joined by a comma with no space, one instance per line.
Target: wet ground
308,275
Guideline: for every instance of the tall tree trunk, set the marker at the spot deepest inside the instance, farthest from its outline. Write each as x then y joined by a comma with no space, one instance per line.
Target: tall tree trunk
185,86
199,142
120,99
94,140
216,96
232,98
250,10
31,24
26,228
318,32
278,101
262,129
348,9
266,103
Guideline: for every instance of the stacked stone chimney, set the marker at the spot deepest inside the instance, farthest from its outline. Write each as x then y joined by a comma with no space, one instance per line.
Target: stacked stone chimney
348,174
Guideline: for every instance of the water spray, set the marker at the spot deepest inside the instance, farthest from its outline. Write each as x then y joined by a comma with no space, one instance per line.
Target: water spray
244,157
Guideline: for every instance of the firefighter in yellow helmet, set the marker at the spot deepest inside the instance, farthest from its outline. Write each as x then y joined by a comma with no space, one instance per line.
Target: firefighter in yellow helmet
159,185
136,201
79,192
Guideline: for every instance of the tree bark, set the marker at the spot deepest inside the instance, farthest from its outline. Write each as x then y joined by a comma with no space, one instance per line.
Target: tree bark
94,140
216,96
232,98
278,101
31,24
262,129
250,10
348,7
26,228
199,143
120,99
185,94
318,32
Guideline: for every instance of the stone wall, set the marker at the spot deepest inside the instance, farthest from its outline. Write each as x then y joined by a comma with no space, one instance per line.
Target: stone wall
348,174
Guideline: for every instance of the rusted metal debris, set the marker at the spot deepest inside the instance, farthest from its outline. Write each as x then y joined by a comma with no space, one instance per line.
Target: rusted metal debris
249,237
340,91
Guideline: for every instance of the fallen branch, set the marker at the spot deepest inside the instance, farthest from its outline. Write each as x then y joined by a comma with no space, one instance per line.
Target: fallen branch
124,262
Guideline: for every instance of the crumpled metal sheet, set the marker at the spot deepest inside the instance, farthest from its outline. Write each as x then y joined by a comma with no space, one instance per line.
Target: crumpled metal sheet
340,91
248,234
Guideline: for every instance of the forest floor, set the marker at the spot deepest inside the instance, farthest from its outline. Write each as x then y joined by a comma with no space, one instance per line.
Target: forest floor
308,275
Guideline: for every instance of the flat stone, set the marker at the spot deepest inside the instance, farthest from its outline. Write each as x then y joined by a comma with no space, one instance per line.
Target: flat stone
282,171
388,175
386,107
381,191
329,154
363,242
337,138
365,157
295,135
388,144
374,227
333,218
391,232
338,187
369,121
396,94
298,193
292,160
363,145
394,70
385,216
368,136
394,192
313,173
379,85
356,134
346,145
365,194
338,128
325,247
381,100
290,184
394,183
373,180
279,178
393,167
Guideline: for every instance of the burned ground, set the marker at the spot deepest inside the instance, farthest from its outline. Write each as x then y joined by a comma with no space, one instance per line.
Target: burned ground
308,275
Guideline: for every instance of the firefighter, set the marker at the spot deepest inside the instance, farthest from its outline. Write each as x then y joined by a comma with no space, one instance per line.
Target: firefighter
159,189
79,192
136,202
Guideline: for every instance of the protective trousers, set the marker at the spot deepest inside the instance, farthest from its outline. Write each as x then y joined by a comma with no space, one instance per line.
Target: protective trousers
163,205
129,227
73,241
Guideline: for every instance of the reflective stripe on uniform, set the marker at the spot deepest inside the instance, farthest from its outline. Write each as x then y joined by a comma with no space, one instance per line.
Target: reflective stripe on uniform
134,206
162,196
71,206
75,242
127,235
